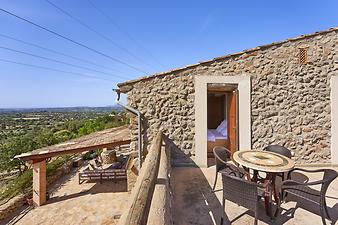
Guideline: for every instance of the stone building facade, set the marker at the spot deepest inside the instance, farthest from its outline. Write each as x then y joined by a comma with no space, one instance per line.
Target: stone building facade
290,98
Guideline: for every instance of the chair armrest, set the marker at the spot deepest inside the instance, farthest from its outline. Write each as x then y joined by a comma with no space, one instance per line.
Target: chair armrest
235,170
304,170
243,173
293,182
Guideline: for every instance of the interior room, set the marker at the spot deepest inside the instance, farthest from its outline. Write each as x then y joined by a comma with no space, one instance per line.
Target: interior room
221,116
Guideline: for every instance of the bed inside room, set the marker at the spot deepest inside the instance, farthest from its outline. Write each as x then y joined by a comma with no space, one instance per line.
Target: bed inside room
217,134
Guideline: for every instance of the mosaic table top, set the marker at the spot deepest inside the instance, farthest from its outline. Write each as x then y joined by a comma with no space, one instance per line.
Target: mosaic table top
263,161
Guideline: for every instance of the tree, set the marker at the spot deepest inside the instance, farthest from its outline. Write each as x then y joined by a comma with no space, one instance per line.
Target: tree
16,146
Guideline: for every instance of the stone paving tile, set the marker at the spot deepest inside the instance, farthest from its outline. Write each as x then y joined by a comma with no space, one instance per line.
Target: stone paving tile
195,203
88,203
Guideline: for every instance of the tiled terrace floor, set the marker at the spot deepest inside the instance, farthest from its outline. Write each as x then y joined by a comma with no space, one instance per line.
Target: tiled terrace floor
195,203
71,203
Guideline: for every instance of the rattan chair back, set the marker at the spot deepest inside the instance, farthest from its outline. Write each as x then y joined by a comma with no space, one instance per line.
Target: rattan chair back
242,192
222,155
279,149
304,190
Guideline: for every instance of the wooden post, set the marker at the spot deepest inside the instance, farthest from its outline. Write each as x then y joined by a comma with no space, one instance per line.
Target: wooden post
39,182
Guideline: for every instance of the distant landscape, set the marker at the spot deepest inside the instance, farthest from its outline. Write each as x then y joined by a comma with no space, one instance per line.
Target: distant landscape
18,121
23,130
62,109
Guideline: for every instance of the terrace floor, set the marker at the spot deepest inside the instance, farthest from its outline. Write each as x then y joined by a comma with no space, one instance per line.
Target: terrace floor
195,203
71,203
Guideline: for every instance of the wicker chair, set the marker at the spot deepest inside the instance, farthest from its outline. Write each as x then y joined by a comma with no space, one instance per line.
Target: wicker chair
279,150
242,192
222,156
304,190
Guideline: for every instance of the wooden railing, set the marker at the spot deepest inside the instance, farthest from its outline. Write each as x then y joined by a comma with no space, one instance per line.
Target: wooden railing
150,199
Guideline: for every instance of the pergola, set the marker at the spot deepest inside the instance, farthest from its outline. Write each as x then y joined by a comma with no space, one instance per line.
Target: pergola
103,139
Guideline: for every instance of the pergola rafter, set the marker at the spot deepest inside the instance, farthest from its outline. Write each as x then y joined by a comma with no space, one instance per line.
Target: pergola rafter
103,139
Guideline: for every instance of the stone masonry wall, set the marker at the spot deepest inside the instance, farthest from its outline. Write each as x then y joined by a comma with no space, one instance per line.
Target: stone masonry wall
290,102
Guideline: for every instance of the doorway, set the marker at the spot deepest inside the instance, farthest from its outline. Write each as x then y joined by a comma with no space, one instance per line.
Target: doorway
236,110
222,118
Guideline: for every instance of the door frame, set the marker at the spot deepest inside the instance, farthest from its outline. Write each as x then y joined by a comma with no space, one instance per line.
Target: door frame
244,113
334,119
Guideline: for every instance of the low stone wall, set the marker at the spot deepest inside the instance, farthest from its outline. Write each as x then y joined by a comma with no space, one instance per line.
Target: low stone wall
132,174
13,204
10,206
60,172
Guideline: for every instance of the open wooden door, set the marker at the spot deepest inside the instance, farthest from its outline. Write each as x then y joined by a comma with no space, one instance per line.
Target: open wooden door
233,120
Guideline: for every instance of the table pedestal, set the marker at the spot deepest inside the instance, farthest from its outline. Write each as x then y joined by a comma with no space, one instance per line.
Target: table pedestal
268,162
270,183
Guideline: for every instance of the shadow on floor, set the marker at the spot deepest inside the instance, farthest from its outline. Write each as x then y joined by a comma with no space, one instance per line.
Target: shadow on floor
306,205
104,187
309,206
17,215
194,200
196,203
210,162
78,190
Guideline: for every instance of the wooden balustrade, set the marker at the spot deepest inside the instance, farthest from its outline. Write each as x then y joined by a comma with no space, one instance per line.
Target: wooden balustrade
150,197
160,212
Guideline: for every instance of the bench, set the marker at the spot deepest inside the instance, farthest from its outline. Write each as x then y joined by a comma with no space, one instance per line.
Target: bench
104,174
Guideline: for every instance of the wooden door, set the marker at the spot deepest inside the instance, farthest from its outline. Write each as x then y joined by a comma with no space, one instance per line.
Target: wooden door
233,120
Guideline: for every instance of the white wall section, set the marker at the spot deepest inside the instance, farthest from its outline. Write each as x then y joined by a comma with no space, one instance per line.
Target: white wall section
334,119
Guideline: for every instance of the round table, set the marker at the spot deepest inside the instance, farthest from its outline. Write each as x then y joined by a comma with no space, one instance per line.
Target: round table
265,161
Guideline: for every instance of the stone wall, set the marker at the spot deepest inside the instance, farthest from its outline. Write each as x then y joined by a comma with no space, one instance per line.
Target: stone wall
12,205
290,102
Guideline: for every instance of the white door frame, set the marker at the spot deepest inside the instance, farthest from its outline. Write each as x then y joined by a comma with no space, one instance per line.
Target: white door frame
334,119
244,89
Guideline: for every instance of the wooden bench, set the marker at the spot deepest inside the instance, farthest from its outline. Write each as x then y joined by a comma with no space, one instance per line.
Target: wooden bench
104,174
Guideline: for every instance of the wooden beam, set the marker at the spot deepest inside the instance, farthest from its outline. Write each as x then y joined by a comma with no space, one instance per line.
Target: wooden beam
221,87
42,156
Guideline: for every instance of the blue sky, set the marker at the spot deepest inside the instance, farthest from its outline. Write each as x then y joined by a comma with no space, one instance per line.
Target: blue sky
153,36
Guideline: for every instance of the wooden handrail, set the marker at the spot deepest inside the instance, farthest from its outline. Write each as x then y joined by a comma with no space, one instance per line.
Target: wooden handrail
160,208
141,196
